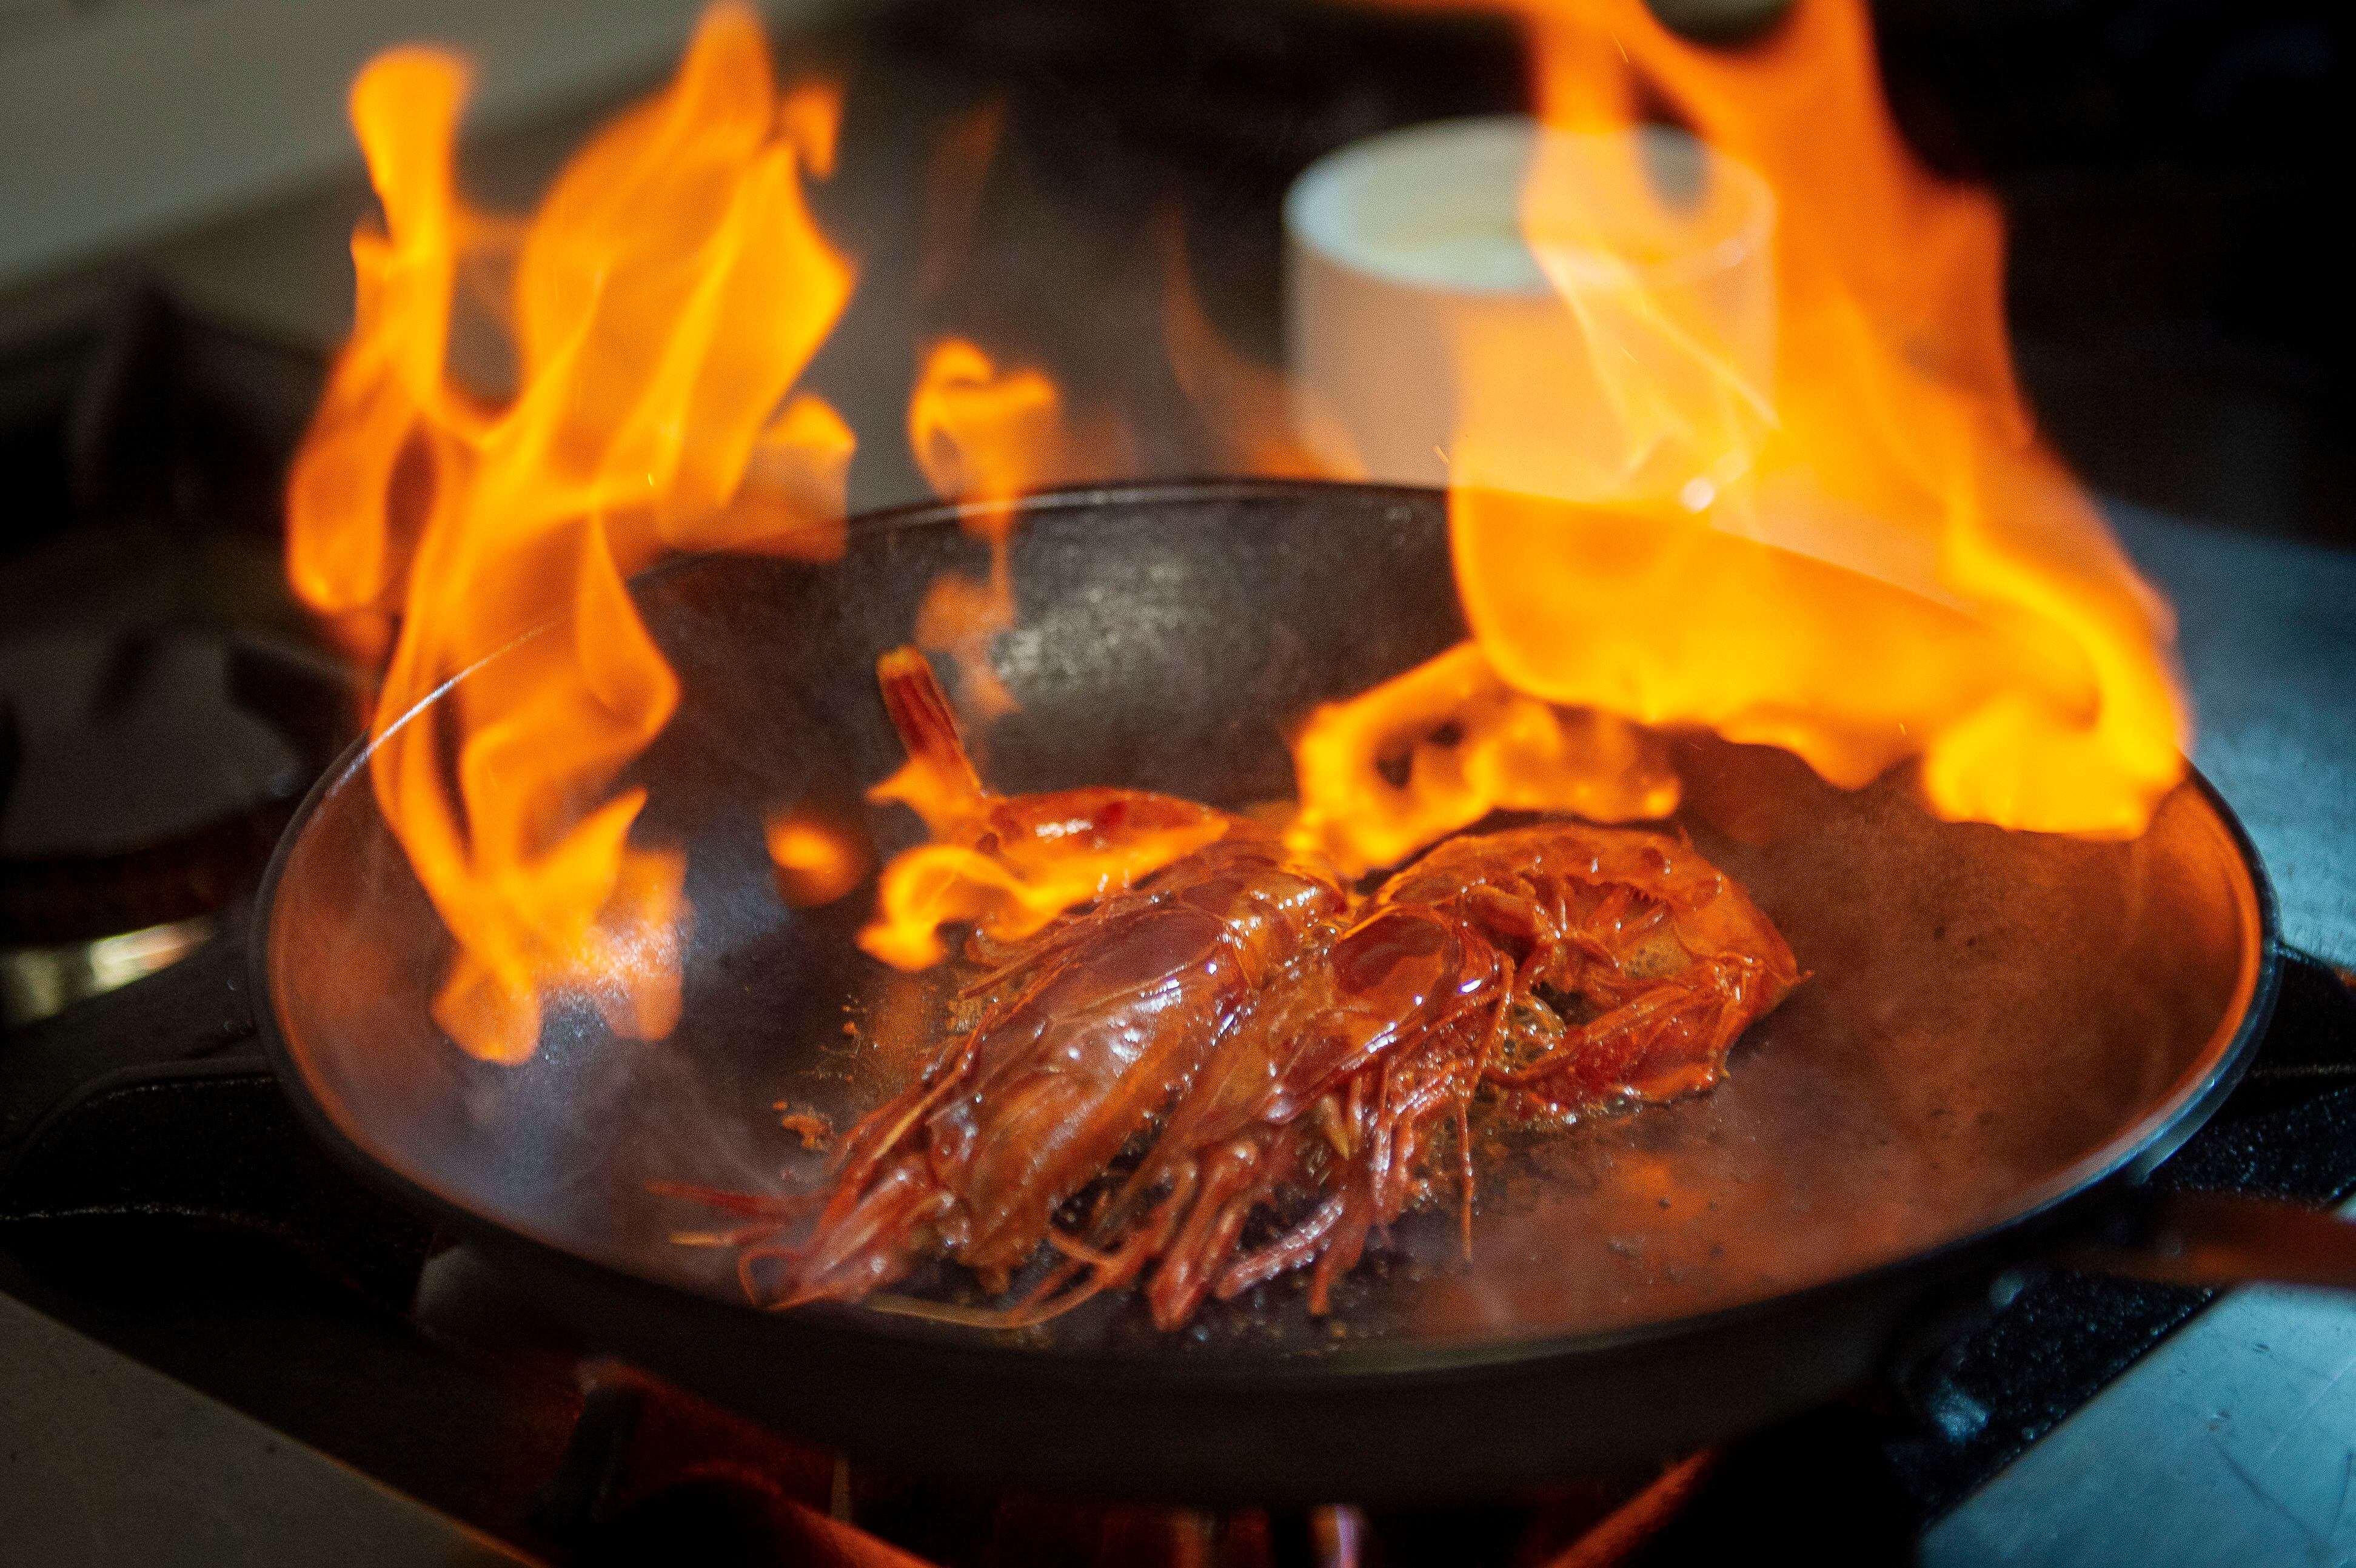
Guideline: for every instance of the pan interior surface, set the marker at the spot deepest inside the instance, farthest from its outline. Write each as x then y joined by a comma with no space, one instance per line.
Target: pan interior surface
1992,1019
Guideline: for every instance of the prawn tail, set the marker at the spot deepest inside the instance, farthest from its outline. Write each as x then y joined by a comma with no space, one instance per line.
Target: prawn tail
920,712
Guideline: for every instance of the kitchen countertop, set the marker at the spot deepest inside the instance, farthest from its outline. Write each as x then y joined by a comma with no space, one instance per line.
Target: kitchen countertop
105,1461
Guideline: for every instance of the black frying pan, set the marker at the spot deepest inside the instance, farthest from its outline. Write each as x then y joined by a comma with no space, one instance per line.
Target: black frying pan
1997,1025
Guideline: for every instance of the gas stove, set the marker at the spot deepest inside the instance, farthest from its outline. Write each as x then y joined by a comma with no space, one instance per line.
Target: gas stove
171,1241
216,1345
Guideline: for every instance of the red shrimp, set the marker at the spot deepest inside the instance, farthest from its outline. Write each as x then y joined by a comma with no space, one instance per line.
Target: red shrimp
1262,1043
1656,960
1332,1083
1088,1029
1008,864
1569,967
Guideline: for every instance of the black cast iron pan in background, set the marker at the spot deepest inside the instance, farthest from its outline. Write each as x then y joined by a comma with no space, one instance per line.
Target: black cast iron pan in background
1997,1026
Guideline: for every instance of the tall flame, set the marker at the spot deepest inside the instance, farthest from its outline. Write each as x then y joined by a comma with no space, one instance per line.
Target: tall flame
988,436
661,304
1834,530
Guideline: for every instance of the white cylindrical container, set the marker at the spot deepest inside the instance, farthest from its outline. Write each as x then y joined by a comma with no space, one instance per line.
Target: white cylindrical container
1584,315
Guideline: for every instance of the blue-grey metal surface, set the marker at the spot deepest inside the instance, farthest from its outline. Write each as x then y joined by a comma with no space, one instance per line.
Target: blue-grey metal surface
2235,1441
2267,630
108,1464
2233,1444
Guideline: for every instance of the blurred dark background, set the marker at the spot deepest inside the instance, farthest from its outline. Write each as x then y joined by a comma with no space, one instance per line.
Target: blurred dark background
2176,290
2179,302
2177,298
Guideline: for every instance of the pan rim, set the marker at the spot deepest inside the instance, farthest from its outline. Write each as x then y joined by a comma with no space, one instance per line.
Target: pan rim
2128,1156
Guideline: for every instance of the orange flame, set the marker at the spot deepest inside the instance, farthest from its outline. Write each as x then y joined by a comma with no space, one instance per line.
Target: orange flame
984,437
663,300
818,860
1829,528
1012,890
1510,751
989,436
1006,865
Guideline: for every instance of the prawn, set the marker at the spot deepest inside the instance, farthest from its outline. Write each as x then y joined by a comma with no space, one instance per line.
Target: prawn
1231,1035
1569,969
1089,1025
